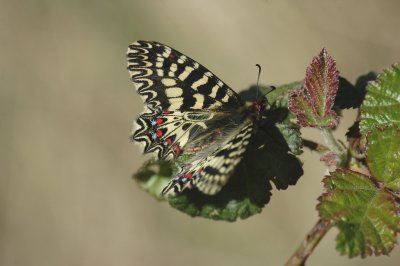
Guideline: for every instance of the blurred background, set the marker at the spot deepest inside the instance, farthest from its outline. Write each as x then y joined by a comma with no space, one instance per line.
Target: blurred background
66,193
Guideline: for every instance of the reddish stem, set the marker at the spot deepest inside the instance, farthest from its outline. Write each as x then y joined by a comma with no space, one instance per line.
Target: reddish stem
309,243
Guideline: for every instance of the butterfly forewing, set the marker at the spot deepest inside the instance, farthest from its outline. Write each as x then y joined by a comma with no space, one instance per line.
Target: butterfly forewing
189,111
169,80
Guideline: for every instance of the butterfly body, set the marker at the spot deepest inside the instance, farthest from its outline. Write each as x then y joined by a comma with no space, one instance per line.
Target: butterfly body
189,113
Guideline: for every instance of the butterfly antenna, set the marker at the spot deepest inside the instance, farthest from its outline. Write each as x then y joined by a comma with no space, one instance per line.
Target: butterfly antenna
271,89
258,79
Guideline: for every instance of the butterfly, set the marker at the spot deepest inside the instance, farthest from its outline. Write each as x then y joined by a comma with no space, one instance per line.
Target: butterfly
190,117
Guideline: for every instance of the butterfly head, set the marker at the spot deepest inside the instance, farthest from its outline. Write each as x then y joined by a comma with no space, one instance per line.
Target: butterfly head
259,104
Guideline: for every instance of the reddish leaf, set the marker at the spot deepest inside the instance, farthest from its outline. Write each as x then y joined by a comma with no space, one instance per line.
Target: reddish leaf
313,103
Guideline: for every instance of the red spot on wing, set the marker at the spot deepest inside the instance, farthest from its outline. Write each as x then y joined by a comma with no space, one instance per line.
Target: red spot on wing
159,133
159,121
172,56
168,141
177,150
188,176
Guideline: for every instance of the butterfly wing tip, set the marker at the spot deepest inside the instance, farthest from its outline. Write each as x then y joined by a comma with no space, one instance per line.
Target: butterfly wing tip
170,190
166,193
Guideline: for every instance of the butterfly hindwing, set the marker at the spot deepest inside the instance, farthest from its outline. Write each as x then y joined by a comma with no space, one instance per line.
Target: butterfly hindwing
210,173
167,133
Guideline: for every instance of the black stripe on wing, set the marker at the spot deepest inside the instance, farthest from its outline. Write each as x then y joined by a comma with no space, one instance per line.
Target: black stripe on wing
169,80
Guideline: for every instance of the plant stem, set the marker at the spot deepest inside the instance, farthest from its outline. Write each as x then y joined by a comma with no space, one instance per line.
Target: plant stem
331,142
319,230
309,243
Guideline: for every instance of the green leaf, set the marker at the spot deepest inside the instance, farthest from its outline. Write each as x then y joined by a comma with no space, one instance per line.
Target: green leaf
279,115
382,102
383,155
153,175
313,104
281,95
245,194
366,215
291,132
247,191
240,198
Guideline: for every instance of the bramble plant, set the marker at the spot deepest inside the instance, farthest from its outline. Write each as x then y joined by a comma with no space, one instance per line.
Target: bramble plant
362,190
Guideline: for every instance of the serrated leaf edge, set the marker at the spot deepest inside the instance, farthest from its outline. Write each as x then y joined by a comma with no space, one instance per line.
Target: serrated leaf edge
378,185
380,128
